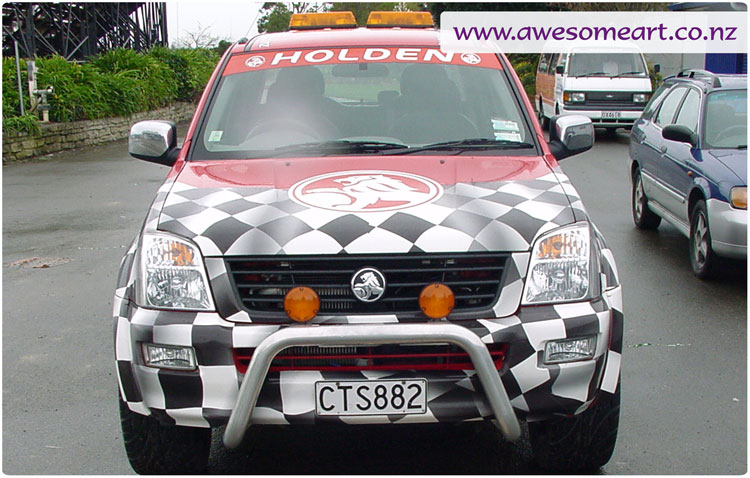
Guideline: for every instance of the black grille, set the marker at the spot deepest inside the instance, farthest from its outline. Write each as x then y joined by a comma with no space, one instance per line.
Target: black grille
609,98
262,282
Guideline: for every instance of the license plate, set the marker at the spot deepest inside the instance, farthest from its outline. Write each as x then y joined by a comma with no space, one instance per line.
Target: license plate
377,397
611,114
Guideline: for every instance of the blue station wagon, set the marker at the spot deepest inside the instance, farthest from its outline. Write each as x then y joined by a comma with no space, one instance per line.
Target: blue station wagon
688,165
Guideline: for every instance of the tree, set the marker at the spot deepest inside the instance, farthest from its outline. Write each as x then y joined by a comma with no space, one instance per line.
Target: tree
222,47
616,7
439,7
198,38
276,15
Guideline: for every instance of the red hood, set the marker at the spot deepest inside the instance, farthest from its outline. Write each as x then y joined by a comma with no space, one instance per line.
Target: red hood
283,173
366,204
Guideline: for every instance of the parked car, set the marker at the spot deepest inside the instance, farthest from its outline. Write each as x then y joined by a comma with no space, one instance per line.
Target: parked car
363,229
688,165
610,84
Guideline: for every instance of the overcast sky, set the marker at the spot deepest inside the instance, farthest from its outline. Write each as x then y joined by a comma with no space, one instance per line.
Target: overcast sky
226,19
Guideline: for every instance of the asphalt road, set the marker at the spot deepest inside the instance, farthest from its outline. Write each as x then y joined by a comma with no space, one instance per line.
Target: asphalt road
684,402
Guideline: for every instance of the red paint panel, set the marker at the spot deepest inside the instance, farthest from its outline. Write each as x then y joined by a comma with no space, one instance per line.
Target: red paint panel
325,56
284,173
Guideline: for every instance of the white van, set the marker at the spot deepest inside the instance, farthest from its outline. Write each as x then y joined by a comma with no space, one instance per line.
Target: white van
609,84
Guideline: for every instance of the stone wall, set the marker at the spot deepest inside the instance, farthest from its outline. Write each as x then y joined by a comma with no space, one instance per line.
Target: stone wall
57,137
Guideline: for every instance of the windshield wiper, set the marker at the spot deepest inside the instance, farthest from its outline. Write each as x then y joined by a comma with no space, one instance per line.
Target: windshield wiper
337,146
468,144
630,73
596,73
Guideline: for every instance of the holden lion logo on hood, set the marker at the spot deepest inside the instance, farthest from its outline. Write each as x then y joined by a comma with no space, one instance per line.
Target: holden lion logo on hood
368,284
365,191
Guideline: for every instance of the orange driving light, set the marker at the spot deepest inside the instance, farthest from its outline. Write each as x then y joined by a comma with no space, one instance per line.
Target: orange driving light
301,304
437,300
400,19
311,21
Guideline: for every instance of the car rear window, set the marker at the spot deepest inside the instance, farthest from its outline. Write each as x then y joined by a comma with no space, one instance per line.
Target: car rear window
410,96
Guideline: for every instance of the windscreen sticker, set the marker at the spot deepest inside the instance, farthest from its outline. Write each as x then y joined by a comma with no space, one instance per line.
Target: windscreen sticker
506,130
324,56
215,136
365,191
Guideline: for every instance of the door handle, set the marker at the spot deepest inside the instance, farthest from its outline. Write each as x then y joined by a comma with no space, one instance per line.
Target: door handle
663,149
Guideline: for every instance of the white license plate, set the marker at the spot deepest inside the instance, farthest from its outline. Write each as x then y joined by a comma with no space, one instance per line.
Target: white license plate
611,114
377,397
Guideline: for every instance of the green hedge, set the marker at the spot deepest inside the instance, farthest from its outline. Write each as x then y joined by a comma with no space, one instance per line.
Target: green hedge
116,83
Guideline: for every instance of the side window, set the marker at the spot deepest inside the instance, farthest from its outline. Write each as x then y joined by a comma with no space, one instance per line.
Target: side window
655,99
544,62
689,111
553,62
669,106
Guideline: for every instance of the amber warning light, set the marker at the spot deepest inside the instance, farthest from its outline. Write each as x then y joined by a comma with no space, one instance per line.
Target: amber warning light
400,19
437,301
312,21
301,304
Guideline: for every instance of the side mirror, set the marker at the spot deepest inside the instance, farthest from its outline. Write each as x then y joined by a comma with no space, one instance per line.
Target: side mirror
657,68
154,141
569,135
678,132
559,69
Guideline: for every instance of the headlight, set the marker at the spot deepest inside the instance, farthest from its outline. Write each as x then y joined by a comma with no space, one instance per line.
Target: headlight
738,197
569,97
172,275
560,265
641,97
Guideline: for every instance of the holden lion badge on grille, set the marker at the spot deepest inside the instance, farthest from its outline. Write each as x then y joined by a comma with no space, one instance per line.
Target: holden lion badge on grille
368,284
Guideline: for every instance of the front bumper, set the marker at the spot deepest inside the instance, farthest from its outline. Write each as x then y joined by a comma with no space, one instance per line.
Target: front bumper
370,335
208,396
604,117
728,229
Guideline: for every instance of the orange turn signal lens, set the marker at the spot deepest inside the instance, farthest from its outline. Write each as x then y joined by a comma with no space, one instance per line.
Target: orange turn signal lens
437,300
301,304
738,197
182,254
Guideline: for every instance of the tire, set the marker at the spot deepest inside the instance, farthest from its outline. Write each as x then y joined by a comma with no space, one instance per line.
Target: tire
543,120
643,217
157,449
579,444
702,257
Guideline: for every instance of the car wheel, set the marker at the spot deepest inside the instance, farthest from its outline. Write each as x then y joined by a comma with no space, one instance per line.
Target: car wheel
702,257
643,217
578,444
543,120
154,448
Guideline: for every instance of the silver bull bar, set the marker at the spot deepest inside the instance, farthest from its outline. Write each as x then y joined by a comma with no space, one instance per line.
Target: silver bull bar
381,334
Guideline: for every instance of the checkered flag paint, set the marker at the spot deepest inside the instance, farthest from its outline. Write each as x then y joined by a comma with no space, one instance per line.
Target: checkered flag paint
502,216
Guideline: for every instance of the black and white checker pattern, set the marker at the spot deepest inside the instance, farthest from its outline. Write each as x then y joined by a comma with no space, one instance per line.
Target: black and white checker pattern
205,397
501,216
264,221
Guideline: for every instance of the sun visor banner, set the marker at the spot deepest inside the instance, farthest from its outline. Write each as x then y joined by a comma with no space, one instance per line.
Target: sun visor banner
328,56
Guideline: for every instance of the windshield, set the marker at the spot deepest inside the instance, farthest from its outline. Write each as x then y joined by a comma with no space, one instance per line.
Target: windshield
362,107
606,64
725,121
